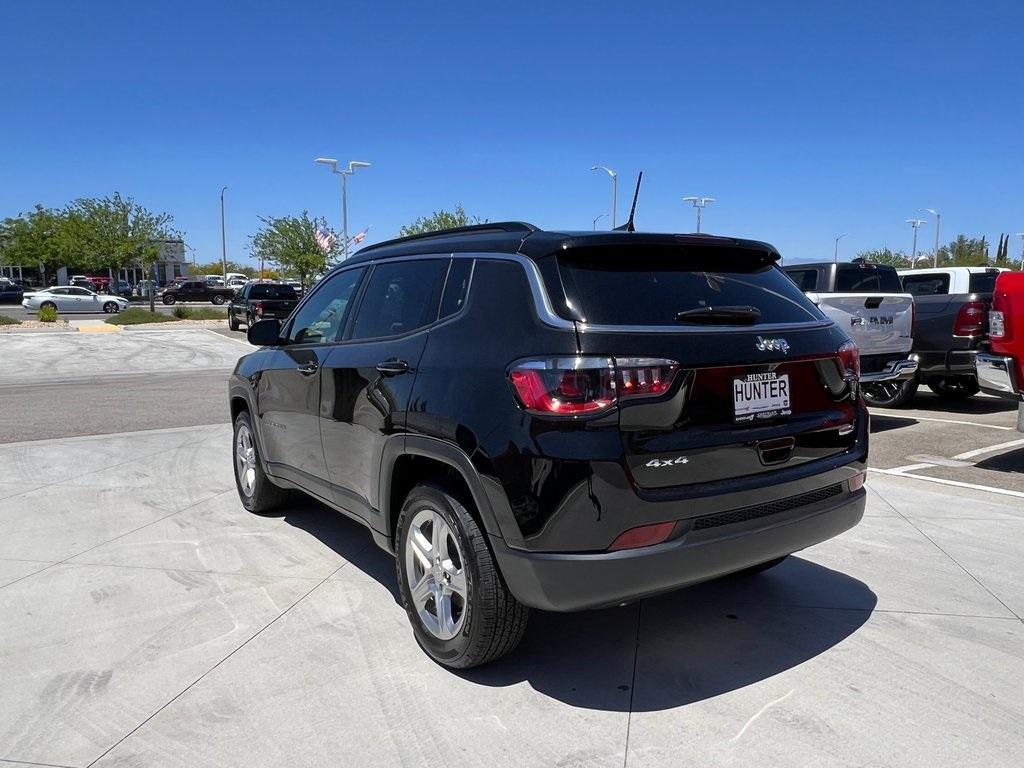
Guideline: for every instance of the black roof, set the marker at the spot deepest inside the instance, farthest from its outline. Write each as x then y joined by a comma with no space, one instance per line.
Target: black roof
528,240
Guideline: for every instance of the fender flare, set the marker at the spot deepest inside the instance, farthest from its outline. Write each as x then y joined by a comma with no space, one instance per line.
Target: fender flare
445,453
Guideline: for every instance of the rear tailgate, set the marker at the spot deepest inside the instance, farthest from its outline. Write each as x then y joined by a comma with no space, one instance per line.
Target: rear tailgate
877,323
745,400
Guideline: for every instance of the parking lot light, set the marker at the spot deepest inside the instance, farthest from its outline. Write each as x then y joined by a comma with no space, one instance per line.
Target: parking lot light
938,224
699,203
916,224
615,186
333,164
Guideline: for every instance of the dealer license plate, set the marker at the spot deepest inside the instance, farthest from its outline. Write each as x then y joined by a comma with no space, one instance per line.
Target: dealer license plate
761,396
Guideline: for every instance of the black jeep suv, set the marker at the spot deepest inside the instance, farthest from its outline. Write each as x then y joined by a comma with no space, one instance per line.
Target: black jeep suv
556,420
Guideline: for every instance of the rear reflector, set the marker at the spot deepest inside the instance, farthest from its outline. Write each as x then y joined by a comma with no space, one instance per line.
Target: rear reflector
857,481
643,536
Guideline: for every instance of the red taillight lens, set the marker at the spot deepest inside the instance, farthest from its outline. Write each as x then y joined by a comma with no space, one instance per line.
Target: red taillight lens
971,319
575,386
643,536
259,309
849,359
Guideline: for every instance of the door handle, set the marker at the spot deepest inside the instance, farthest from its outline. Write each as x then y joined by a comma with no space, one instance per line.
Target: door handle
392,367
308,369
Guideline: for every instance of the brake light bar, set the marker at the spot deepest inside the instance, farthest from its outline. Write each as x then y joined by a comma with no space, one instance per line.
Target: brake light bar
578,386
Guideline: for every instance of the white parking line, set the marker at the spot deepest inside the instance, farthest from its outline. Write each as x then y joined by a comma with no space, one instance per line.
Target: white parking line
989,449
909,468
905,415
955,483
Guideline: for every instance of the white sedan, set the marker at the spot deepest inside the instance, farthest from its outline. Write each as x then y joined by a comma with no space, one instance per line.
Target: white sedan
71,298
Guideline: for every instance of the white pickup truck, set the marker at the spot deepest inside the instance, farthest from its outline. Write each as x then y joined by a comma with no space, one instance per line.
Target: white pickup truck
868,302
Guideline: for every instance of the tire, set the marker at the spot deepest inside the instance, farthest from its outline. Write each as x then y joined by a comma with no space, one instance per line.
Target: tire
232,322
218,300
889,394
760,567
168,300
256,491
49,304
486,621
111,307
954,387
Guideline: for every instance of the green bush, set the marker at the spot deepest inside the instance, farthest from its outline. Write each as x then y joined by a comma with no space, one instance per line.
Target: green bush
48,315
5,320
182,313
202,313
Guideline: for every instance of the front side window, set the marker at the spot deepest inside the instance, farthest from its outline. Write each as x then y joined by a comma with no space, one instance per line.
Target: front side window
322,318
400,297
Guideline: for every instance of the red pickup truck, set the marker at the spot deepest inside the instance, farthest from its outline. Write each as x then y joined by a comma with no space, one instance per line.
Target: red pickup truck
1001,368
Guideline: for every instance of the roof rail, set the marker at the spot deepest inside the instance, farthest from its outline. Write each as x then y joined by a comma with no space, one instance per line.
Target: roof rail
473,229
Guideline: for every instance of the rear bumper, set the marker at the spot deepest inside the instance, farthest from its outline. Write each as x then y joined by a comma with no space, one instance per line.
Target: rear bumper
571,582
897,370
953,362
996,376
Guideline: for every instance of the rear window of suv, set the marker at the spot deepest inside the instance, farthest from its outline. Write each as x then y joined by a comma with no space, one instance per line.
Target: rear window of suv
641,288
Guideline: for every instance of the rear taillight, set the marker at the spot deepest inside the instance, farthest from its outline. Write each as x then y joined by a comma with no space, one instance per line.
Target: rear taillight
996,324
259,309
970,320
578,386
849,359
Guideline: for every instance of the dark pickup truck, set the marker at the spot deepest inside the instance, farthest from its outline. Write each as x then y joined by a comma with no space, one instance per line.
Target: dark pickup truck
197,290
952,305
261,301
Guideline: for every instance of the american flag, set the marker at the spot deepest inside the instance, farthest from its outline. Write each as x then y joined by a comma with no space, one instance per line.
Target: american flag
326,239
360,237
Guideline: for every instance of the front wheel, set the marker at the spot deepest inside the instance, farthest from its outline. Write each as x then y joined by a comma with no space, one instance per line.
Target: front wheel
256,491
889,394
111,307
460,608
954,387
218,300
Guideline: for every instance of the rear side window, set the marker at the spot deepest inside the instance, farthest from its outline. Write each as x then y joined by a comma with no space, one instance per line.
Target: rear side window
653,288
926,285
806,279
456,287
400,297
853,278
272,292
983,282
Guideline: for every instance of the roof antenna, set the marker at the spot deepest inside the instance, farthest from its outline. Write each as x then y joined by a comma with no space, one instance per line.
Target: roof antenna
628,226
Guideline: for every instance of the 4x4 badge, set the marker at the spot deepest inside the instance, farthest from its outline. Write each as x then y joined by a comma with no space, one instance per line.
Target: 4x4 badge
772,345
667,462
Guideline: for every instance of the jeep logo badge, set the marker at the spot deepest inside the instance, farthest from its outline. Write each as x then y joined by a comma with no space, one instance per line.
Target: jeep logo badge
772,345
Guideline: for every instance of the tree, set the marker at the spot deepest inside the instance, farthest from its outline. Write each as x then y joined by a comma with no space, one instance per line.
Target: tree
39,237
217,268
290,243
439,220
897,259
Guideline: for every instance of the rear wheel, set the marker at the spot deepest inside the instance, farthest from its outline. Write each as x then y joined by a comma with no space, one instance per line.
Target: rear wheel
48,305
953,387
255,489
461,610
218,300
889,394
169,300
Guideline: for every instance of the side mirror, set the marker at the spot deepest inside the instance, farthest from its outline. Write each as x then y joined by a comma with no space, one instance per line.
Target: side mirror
265,333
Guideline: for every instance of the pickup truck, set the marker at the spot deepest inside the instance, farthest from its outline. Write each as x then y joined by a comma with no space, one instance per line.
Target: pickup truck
1000,363
952,322
867,301
196,290
261,301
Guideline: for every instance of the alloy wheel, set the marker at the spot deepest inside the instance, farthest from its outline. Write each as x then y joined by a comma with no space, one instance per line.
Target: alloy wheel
245,460
436,575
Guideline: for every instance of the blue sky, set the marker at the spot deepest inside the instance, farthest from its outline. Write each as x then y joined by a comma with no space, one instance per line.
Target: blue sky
805,120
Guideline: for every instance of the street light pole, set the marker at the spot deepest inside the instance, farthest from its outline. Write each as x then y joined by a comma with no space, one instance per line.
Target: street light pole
835,252
597,219
615,187
938,224
699,203
353,164
916,224
223,238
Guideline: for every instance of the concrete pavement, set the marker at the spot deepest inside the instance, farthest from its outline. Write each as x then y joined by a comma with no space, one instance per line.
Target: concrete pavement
151,621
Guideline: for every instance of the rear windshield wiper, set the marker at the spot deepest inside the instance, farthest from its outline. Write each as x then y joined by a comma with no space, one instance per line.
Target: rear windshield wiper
720,316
